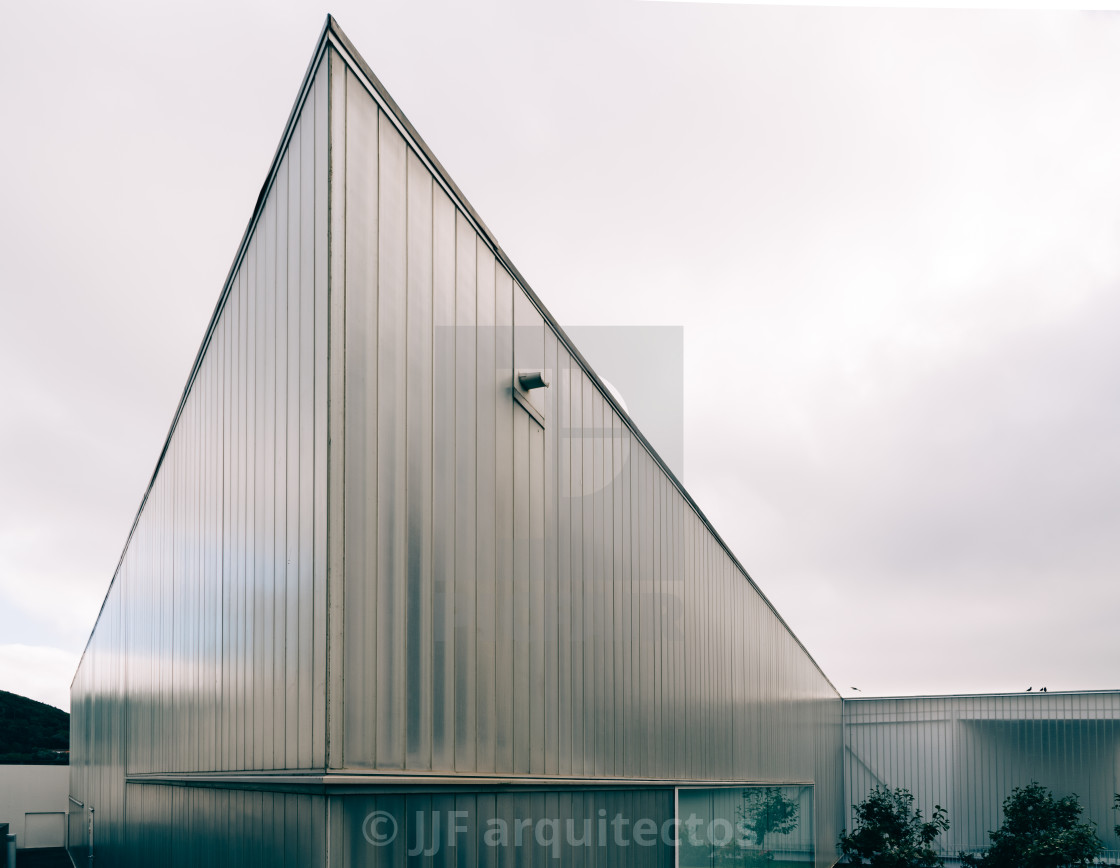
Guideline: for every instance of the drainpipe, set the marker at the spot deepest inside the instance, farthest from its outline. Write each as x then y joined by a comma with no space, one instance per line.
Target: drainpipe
11,851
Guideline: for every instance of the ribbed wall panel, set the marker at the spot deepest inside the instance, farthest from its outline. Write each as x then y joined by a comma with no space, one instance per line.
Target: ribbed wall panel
209,653
546,590
183,827
967,753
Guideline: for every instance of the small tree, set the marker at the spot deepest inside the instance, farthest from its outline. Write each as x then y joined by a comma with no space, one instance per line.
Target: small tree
890,833
762,812
1039,831
766,811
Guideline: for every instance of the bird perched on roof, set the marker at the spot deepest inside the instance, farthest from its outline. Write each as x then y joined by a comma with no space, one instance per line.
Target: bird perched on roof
1029,689
1042,690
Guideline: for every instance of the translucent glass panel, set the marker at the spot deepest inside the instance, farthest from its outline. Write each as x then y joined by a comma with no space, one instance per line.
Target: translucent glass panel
747,826
566,828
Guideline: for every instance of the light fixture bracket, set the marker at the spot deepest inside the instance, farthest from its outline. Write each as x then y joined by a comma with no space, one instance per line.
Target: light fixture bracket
530,380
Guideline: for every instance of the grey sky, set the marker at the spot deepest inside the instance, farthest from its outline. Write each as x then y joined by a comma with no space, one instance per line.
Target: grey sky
890,237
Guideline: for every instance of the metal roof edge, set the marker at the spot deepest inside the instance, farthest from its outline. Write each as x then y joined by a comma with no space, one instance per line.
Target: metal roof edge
981,695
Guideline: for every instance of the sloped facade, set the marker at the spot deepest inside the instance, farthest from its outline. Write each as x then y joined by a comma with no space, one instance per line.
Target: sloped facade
376,585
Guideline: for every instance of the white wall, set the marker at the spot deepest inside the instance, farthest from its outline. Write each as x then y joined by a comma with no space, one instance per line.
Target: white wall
34,800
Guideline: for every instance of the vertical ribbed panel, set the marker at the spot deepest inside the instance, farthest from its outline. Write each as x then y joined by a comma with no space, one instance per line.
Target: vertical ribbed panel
967,753
209,653
183,827
530,575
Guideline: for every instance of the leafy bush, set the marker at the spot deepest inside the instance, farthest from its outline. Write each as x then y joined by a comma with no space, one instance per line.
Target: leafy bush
890,833
1039,831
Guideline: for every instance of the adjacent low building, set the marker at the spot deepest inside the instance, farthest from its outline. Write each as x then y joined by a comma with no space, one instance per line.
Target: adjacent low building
967,753
33,805
408,586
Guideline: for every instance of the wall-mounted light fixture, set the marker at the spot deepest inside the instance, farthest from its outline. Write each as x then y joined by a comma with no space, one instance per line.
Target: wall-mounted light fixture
530,380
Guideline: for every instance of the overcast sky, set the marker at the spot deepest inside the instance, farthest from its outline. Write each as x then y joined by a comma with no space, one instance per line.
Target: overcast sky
890,237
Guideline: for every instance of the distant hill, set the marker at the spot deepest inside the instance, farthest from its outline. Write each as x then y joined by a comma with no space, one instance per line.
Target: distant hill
32,732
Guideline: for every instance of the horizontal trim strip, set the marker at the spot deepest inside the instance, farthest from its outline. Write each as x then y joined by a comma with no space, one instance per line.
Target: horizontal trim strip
353,780
1021,693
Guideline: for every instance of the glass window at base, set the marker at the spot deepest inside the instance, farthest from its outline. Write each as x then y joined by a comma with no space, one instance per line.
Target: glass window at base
745,826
